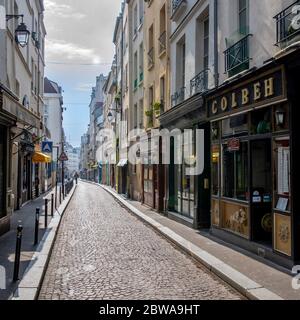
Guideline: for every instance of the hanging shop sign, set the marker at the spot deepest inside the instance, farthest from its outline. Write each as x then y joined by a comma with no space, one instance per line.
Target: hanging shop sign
265,89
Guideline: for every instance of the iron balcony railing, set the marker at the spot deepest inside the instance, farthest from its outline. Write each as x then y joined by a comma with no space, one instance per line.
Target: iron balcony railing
151,58
237,55
135,83
178,97
162,42
287,23
199,84
176,4
141,76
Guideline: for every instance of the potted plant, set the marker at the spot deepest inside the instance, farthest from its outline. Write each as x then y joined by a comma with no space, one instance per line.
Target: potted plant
157,108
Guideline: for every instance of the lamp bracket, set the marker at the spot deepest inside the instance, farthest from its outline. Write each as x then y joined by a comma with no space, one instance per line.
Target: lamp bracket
14,16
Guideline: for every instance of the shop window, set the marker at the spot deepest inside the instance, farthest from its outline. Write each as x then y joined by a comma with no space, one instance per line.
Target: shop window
235,172
282,174
215,169
261,121
237,125
2,172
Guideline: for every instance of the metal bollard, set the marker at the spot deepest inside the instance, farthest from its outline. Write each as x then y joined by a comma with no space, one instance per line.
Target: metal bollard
56,197
36,229
52,205
18,253
46,213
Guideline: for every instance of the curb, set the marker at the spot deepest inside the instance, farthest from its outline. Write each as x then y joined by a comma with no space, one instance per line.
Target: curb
244,285
29,286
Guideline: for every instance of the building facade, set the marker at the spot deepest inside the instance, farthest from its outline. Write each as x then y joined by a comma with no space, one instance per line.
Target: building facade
253,129
21,76
53,121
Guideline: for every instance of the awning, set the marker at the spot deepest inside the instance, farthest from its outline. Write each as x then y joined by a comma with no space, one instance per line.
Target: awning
39,157
122,163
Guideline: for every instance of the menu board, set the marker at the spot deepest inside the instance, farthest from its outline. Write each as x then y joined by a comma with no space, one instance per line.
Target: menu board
283,170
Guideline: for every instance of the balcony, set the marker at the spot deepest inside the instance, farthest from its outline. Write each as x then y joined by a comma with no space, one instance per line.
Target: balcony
162,43
287,28
199,84
178,7
237,56
151,58
178,97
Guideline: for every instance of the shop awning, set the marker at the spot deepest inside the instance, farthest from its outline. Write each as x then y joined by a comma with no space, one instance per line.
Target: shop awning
39,157
122,163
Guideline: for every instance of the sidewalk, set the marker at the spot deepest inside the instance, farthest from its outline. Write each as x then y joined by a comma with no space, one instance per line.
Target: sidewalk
256,278
26,217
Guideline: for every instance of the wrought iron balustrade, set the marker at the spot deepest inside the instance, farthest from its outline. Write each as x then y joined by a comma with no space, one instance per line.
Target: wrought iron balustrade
178,97
287,23
199,84
237,55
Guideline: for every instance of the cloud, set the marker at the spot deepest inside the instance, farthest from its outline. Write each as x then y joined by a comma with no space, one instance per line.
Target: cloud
62,10
85,87
61,50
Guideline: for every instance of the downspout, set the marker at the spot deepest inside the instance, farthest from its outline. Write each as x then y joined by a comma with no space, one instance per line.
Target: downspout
216,47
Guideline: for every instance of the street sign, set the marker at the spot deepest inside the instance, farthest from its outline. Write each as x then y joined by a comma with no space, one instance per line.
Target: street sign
63,157
47,146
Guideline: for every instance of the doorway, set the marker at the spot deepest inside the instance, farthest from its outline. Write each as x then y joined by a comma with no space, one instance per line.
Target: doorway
261,191
2,171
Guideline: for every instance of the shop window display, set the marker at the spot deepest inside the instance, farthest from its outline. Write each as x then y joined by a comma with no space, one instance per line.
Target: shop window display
235,172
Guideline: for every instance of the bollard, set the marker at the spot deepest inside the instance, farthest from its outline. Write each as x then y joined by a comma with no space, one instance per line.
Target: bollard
36,229
18,253
56,197
46,213
52,205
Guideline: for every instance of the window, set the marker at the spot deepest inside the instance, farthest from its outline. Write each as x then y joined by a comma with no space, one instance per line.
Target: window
135,70
151,47
243,16
180,70
215,153
206,44
162,93
141,59
141,11
235,172
135,116
135,20
141,114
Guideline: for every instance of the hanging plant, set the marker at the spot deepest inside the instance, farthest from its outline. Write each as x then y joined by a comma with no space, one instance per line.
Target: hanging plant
149,113
157,108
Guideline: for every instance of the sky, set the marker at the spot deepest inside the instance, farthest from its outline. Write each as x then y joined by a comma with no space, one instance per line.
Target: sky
78,48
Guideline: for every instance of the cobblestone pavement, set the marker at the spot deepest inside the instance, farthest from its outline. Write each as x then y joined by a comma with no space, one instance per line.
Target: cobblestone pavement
104,252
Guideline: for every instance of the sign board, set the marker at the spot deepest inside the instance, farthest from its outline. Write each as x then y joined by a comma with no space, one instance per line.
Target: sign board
265,89
233,145
63,157
47,146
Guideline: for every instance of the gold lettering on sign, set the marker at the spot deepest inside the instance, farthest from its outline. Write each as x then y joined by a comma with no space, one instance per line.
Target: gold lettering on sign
233,101
224,104
269,87
257,91
214,107
245,96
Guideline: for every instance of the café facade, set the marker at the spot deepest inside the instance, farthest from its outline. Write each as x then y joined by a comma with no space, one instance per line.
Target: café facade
254,171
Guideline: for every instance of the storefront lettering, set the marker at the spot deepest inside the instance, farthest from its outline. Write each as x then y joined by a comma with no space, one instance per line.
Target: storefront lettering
255,92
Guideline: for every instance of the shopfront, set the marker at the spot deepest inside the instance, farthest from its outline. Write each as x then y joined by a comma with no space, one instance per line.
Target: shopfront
188,196
2,171
251,200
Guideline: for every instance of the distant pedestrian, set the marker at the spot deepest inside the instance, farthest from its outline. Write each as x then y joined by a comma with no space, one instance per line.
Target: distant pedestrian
76,177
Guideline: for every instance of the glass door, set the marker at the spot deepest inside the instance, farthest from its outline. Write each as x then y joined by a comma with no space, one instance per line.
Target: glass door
261,190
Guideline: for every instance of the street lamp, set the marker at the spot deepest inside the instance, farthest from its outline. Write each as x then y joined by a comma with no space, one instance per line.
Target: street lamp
280,116
21,33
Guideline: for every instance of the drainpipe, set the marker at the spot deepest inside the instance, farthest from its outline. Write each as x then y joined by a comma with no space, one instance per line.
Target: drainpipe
216,47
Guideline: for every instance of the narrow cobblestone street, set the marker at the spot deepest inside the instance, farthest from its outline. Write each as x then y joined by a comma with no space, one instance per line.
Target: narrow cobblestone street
103,252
